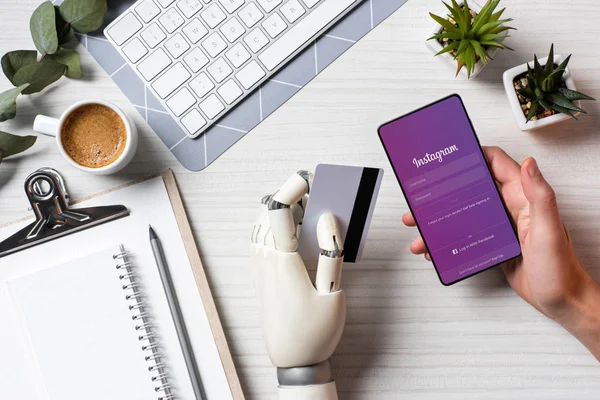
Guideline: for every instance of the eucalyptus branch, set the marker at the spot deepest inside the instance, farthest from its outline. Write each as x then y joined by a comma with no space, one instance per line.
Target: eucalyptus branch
51,27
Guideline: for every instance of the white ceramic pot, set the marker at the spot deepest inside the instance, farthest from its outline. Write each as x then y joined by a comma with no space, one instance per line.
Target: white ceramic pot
435,46
508,79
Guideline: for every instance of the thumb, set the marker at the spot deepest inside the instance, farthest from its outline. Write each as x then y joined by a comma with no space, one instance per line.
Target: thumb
543,208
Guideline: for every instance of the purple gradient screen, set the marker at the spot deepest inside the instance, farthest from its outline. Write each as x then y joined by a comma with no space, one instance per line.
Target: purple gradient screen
444,176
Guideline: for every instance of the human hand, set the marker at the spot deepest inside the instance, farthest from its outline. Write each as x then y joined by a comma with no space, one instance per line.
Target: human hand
549,275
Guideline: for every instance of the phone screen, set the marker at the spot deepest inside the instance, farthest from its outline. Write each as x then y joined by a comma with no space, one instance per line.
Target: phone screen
444,176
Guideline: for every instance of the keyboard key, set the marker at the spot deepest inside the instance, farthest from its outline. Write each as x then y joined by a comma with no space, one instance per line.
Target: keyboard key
219,70
195,30
147,10
177,45
274,25
193,121
189,7
250,74
310,3
212,106
303,32
171,20
232,29
165,3
153,35
292,10
213,15
154,64
125,28
256,40
251,15
201,85
181,101
173,78
196,59
230,91
214,45
231,5
238,55
269,5
135,50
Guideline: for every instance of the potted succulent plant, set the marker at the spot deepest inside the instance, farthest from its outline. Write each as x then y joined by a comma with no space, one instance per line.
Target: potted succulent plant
469,35
545,94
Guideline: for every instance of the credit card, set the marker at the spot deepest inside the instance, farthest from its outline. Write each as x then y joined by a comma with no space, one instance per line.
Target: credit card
349,193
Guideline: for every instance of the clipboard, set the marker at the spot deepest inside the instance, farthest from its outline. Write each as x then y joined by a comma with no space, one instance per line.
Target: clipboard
197,268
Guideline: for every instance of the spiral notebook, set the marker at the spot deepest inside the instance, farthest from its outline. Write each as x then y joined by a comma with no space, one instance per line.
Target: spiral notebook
85,316
81,328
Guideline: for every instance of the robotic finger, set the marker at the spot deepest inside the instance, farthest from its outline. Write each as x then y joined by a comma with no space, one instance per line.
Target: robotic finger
329,270
283,206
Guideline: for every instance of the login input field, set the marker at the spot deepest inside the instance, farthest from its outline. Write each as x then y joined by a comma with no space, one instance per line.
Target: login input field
443,172
461,181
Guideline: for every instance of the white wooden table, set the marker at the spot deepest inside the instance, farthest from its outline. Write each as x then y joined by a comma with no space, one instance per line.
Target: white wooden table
407,336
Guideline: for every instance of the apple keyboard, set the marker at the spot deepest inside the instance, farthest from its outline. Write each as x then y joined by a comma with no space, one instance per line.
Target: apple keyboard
202,57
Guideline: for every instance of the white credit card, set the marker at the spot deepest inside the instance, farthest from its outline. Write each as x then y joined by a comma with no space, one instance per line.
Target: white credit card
349,193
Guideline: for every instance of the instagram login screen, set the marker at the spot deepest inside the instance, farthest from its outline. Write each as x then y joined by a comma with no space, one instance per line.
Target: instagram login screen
450,191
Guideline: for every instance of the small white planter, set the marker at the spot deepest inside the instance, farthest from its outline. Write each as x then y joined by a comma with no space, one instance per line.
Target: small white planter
508,79
436,46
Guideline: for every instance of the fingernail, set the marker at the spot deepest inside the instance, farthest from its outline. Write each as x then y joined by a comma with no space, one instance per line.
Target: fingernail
532,168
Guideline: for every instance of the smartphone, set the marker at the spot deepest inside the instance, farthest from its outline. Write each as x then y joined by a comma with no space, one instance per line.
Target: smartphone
449,188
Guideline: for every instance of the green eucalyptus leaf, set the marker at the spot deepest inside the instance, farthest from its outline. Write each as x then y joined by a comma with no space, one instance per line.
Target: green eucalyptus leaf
15,60
574,95
13,144
70,59
8,102
43,28
39,75
65,31
84,15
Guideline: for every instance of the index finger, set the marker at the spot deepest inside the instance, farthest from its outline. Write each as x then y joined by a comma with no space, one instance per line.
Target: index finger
281,214
504,168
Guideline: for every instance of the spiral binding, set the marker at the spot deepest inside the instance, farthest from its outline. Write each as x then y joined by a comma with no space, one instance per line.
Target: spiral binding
156,365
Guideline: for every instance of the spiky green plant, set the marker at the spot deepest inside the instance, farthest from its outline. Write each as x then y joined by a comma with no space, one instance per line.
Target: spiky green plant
469,38
546,88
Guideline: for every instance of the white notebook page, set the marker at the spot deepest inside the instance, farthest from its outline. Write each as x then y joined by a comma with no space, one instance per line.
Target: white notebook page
81,331
148,203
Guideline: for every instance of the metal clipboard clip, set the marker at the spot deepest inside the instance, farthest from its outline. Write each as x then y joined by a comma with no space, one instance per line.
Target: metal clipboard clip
47,194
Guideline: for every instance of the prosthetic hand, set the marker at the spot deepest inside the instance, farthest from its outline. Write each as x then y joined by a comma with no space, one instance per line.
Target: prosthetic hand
302,323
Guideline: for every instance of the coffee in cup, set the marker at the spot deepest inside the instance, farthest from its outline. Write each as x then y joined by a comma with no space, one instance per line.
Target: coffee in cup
94,136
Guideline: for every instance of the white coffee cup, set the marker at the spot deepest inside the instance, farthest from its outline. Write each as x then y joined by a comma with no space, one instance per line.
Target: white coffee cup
53,127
